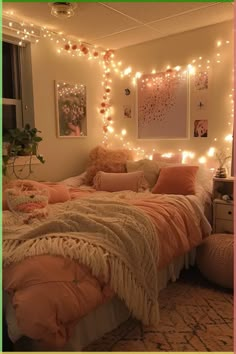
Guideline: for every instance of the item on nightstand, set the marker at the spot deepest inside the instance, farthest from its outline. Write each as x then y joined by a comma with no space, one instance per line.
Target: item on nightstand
215,259
221,172
226,198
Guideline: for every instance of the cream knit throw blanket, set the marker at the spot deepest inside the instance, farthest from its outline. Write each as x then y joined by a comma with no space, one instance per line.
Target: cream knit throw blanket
112,238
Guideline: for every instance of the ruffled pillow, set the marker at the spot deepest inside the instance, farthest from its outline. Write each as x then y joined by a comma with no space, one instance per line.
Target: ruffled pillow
115,182
28,204
57,192
106,160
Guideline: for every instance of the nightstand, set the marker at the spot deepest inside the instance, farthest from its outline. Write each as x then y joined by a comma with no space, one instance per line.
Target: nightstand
223,211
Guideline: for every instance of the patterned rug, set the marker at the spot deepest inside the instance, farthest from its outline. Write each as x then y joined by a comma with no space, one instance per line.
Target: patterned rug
195,316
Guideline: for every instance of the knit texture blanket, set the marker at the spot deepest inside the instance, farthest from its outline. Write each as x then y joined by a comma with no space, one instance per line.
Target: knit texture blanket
112,238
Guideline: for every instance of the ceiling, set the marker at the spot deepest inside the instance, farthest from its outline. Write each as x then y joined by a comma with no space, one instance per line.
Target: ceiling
121,24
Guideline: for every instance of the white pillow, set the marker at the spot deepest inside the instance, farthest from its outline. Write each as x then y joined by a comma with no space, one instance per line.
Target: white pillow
150,169
75,181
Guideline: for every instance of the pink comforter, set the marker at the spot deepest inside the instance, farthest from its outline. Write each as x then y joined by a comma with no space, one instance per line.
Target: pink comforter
50,294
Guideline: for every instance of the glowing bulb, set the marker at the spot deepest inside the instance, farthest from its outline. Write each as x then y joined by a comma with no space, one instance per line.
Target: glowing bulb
138,75
191,69
123,132
110,129
229,137
219,43
211,152
202,159
186,154
177,68
168,155
127,71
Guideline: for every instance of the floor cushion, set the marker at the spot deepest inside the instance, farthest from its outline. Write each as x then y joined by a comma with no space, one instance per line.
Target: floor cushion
215,259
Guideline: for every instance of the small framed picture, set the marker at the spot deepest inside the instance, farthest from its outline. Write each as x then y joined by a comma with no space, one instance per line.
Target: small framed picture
201,128
127,111
71,114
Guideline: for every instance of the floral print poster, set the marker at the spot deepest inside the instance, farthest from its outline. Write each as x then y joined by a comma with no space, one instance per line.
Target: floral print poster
71,109
163,106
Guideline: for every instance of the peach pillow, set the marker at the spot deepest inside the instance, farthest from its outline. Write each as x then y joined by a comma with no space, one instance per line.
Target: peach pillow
57,193
107,160
176,180
115,182
175,158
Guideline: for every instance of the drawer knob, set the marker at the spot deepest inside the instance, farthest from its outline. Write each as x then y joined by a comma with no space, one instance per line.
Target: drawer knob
229,212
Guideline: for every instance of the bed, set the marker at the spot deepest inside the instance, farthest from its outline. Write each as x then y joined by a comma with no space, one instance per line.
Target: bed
98,255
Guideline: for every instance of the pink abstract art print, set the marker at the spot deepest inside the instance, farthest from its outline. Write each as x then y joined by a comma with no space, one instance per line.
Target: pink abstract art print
163,106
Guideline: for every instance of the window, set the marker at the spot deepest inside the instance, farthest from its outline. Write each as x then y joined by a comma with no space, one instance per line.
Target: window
17,102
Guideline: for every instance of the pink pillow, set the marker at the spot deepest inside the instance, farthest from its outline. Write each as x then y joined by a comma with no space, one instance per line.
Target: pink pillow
175,158
114,182
58,193
176,180
107,160
28,204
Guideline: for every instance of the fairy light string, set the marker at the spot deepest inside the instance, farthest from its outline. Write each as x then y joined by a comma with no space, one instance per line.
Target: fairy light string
106,58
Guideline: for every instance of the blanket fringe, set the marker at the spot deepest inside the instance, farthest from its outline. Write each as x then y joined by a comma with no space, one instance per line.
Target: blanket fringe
121,279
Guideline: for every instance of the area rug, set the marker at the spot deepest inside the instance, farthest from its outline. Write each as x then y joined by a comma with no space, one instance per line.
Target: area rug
195,316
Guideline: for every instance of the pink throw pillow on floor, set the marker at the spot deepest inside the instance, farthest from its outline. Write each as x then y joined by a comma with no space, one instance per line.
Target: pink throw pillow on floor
115,182
176,180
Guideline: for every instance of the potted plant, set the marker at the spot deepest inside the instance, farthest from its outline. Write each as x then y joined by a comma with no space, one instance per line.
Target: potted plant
21,142
222,157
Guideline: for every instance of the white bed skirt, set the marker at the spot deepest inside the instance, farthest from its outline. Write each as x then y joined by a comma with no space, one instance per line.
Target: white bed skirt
107,316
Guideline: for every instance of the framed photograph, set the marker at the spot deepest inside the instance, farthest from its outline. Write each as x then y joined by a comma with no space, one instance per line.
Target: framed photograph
71,113
201,80
127,111
163,106
200,128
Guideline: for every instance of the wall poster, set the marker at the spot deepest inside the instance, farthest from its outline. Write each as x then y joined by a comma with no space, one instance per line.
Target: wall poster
71,110
163,106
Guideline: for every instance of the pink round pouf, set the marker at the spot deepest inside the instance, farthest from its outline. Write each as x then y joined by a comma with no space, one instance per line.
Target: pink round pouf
215,259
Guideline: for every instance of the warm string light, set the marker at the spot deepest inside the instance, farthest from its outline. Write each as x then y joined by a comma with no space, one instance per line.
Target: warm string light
24,31
29,32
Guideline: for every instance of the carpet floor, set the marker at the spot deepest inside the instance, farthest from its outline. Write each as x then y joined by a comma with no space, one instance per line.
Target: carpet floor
195,316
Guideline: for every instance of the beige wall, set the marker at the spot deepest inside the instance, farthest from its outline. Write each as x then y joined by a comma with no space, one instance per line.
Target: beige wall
67,156
180,50
64,157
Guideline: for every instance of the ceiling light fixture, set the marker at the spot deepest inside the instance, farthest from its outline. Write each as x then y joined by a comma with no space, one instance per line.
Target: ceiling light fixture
62,9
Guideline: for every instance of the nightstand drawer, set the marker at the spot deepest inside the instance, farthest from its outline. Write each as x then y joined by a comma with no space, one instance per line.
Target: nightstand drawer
224,211
224,226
